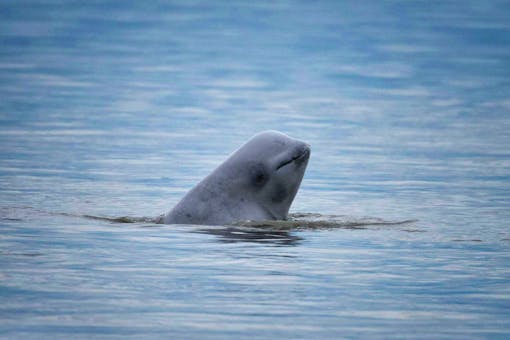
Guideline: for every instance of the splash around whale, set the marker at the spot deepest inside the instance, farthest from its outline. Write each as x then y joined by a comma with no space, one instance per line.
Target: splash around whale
257,182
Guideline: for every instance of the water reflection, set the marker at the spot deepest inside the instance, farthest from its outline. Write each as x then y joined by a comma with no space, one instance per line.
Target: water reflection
265,236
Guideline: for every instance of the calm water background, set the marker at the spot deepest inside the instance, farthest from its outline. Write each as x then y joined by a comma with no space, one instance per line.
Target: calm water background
118,108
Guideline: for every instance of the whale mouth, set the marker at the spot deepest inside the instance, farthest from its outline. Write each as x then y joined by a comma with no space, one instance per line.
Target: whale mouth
300,157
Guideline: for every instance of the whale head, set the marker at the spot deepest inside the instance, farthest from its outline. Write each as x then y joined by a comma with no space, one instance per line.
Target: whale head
257,182
267,172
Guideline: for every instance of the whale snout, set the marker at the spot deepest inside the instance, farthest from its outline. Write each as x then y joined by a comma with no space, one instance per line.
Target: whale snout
302,153
298,156
304,149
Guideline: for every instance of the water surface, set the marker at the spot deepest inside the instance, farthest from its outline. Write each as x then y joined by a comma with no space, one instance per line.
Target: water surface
117,109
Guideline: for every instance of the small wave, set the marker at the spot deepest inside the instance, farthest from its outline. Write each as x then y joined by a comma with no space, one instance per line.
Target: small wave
120,219
295,221
126,219
299,221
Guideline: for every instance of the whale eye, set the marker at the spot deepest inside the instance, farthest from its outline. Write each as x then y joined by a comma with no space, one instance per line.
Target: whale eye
259,178
259,175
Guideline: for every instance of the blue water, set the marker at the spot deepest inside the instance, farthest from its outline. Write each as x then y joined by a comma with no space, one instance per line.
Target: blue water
117,108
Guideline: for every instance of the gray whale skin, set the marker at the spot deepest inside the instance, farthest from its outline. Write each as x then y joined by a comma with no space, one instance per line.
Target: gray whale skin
257,182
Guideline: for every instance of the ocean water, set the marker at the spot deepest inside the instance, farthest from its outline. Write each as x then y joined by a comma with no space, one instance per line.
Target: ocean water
112,109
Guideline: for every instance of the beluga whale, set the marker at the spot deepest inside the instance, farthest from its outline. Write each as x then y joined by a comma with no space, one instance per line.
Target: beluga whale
257,182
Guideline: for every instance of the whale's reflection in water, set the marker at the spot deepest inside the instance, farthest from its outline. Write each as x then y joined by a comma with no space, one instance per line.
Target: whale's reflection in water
255,235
